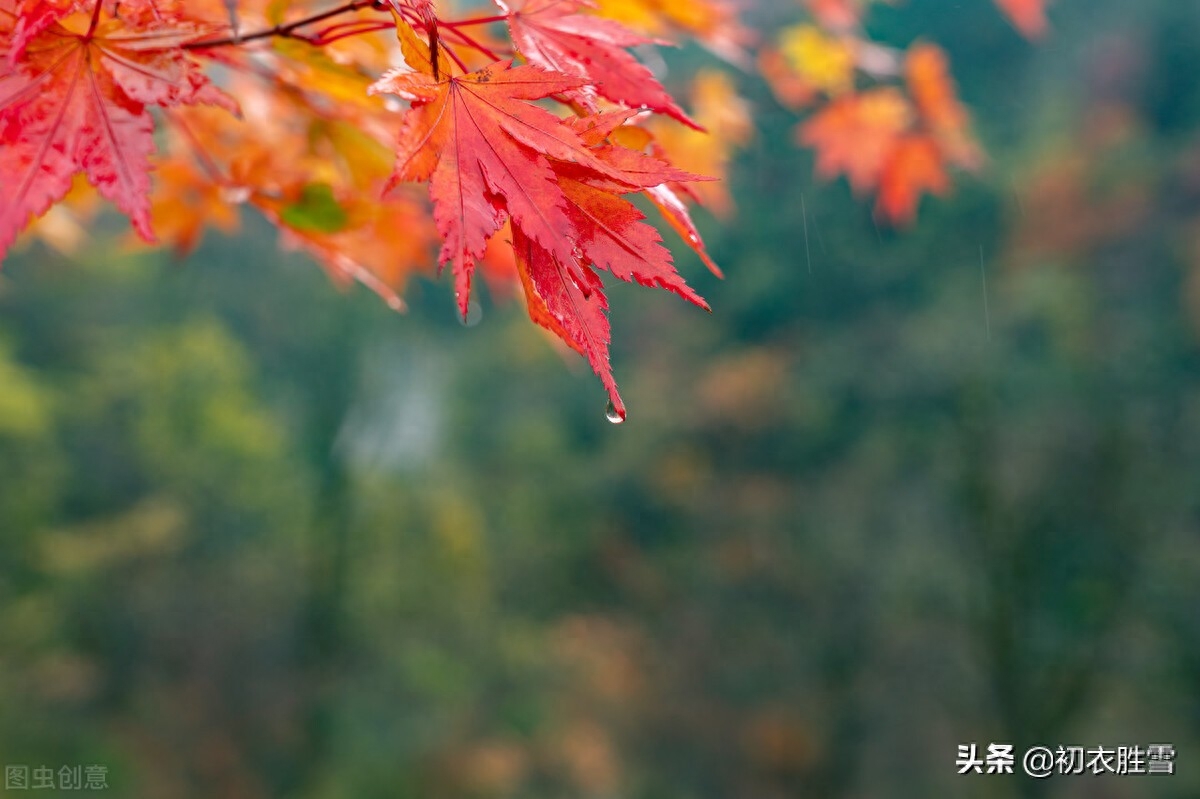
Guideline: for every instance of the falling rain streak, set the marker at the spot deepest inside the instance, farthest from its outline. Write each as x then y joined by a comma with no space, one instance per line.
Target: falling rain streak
987,312
807,248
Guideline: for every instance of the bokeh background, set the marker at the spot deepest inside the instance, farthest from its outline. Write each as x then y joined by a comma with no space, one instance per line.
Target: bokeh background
261,538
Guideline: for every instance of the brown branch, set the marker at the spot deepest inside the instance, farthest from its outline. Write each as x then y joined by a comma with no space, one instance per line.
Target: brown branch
286,30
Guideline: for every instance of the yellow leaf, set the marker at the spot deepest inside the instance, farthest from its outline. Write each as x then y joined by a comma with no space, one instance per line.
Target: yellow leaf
826,62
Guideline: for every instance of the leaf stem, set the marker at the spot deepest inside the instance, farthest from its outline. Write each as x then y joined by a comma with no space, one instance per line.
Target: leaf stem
472,43
95,20
453,57
285,30
477,21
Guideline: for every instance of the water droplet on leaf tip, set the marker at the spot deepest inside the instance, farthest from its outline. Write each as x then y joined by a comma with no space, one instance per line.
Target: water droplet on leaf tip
613,415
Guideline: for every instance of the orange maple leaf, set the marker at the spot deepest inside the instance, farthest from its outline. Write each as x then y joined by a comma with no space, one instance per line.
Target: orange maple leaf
855,135
913,167
551,35
76,102
933,92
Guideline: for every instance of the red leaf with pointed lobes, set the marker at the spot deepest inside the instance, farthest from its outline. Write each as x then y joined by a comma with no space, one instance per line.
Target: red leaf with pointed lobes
484,151
549,34
676,212
627,169
76,101
655,173
490,155
574,309
614,237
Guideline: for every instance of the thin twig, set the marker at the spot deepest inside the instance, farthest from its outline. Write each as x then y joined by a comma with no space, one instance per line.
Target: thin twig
473,43
286,30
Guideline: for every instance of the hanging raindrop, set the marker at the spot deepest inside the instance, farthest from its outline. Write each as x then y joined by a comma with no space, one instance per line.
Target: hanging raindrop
613,415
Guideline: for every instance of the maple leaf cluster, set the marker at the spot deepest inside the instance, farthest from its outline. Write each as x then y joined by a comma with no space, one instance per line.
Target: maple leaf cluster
285,107
373,131
890,122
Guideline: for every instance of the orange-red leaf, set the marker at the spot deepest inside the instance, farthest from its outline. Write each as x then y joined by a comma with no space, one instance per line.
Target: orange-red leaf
913,168
484,151
571,306
76,102
491,156
614,237
855,135
936,98
550,34
676,212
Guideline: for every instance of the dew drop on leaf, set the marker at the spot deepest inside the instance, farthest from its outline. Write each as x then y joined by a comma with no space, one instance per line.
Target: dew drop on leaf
612,415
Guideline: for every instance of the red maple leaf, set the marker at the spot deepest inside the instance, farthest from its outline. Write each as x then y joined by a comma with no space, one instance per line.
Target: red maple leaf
675,211
550,34
76,101
491,156
611,230
483,152
572,308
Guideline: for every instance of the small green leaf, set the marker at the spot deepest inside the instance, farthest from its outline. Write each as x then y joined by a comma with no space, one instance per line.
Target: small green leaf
317,211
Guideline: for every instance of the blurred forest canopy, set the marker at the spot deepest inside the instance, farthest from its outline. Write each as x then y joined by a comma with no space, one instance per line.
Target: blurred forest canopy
260,539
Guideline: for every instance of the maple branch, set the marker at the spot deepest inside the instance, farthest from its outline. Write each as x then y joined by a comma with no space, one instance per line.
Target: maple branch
339,32
286,30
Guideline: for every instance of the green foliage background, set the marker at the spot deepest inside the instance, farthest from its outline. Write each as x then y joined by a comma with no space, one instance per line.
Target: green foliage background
260,539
